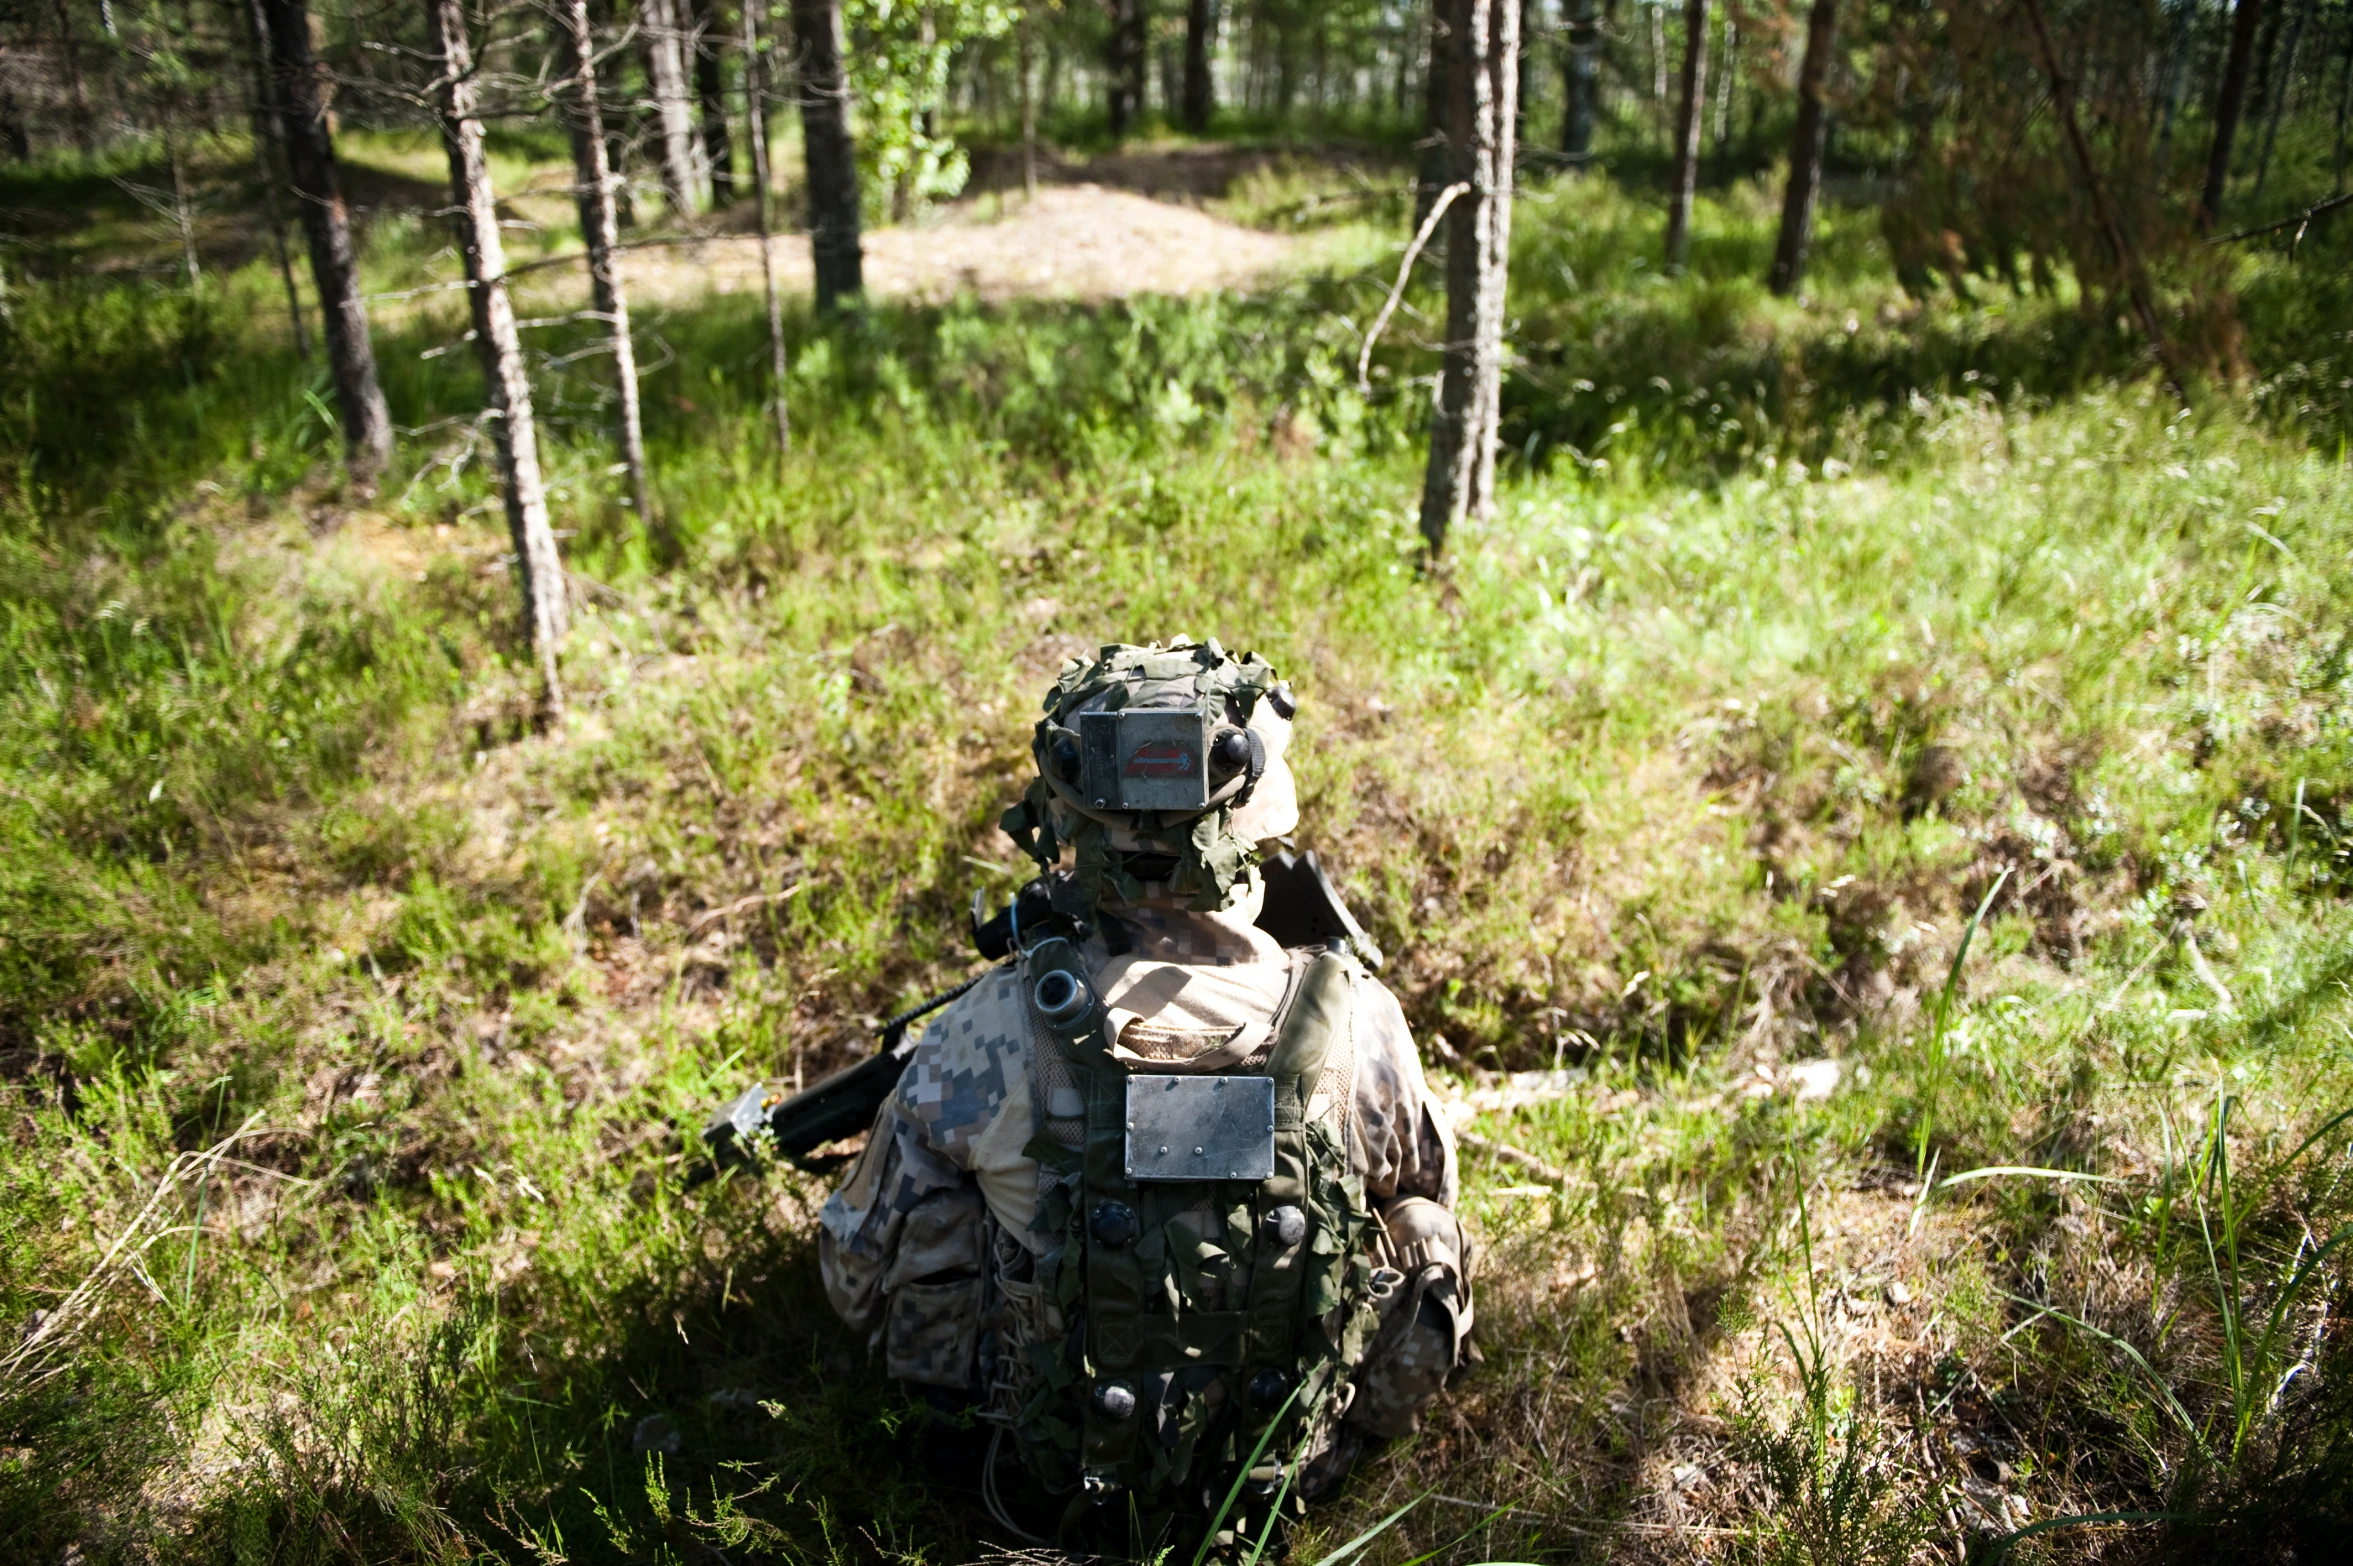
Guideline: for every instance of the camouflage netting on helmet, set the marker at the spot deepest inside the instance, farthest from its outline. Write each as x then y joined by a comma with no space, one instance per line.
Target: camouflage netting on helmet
1201,855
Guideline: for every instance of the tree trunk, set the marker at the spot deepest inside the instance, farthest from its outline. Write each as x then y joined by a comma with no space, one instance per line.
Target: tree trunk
755,91
2344,102
1805,152
592,190
1435,150
2171,78
183,212
513,433
2281,79
833,161
1125,62
1479,40
269,155
1692,86
1024,51
2230,99
1581,83
1200,36
686,177
77,91
1728,72
2121,249
334,268
710,79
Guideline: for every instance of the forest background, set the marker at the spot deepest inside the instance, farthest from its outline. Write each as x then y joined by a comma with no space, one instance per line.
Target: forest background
1859,802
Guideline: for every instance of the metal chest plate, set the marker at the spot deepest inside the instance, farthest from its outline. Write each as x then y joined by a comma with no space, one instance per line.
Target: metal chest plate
1200,1128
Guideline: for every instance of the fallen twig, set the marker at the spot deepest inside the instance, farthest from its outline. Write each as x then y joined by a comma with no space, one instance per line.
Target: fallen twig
1504,1152
743,903
2299,222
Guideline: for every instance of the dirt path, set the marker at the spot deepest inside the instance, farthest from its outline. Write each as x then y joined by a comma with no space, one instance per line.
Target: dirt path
1073,242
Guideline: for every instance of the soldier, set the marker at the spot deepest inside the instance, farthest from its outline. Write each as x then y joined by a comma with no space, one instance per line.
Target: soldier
1169,1202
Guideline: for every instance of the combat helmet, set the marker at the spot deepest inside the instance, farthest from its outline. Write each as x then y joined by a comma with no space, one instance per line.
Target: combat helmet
1160,767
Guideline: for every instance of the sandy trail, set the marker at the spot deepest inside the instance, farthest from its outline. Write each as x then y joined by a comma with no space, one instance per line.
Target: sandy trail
1081,242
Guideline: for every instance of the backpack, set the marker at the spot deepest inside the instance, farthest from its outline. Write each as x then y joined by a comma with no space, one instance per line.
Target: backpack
1169,1366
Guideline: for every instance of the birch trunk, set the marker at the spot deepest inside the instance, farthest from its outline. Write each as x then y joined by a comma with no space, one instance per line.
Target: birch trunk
1477,40
1805,151
686,178
2230,101
592,190
833,160
755,84
1692,87
326,224
513,431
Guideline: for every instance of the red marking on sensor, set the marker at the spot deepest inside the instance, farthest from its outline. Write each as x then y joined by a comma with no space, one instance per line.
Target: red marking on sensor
1162,759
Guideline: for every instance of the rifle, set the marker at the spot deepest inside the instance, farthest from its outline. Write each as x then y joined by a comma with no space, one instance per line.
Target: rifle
1302,908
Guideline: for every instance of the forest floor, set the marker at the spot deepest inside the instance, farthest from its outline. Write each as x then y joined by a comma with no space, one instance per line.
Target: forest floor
1862,836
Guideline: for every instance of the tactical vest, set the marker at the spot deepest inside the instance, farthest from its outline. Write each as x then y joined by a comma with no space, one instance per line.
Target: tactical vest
1213,1286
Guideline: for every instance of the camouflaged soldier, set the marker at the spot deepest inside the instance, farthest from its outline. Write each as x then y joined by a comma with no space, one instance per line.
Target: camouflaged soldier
1169,1202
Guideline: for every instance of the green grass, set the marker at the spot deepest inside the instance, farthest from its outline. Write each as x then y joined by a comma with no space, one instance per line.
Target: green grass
1790,638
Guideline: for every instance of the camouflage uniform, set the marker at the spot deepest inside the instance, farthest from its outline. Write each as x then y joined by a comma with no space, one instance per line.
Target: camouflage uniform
937,1212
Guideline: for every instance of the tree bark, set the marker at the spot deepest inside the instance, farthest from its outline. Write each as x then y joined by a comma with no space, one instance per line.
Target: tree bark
1200,36
1435,170
77,91
833,161
1805,151
2230,100
686,177
269,156
592,191
326,224
710,78
1024,49
513,431
1125,63
1683,180
755,91
2344,102
1580,84
1479,40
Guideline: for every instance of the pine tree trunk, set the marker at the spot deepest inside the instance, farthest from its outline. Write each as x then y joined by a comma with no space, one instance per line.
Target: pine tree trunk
1435,170
269,155
334,267
2279,92
1025,49
686,177
77,91
1479,42
592,191
2172,76
2229,102
1805,151
513,431
833,161
1200,36
1124,100
710,85
2344,103
755,91
1683,180
1581,83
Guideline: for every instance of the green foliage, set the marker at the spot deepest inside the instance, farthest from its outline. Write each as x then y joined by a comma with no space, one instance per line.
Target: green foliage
1693,762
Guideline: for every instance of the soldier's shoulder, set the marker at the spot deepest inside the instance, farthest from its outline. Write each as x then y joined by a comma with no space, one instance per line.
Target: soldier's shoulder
970,1060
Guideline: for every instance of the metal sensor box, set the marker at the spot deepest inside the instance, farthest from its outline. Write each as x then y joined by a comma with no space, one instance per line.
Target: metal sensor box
1200,1128
1150,759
